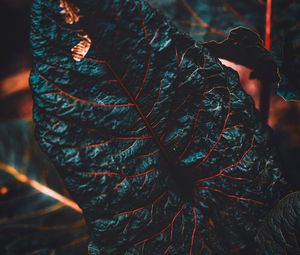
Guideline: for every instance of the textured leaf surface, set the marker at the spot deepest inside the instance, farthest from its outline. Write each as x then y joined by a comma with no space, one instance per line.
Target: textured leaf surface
213,19
32,222
154,137
280,233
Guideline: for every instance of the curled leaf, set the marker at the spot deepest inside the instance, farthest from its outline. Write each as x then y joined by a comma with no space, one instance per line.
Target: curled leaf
245,47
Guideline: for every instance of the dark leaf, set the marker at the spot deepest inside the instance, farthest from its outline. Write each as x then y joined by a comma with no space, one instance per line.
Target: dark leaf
245,47
213,20
32,220
280,233
155,138
291,63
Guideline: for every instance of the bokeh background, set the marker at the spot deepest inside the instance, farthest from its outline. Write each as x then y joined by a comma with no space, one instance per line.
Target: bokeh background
36,214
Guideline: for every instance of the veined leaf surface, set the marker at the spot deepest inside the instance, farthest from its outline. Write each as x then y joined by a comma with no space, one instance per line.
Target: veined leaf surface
155,138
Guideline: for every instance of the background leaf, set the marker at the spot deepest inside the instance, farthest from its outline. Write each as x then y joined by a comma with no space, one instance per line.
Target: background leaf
31,220
213,20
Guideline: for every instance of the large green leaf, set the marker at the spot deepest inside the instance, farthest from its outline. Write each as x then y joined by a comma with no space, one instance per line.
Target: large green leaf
154,137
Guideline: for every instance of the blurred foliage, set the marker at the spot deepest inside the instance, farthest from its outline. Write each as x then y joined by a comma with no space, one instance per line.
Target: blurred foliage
32,222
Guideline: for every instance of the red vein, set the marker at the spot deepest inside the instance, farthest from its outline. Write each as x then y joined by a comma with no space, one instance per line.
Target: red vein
97,145
236,197
76,99
200,21
148,154
194,230
141,208
164,229
171,230
127,225
221,172
103,173
221,134
157,99
134,176
196,119
177,56
235,126
237,178
183,102
183,55
148,62
120,174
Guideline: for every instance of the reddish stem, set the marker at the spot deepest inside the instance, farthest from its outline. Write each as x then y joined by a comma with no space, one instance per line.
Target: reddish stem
266,88
268,24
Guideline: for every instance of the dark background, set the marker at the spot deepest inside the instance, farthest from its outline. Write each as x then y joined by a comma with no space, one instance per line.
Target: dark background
15,59
15,23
